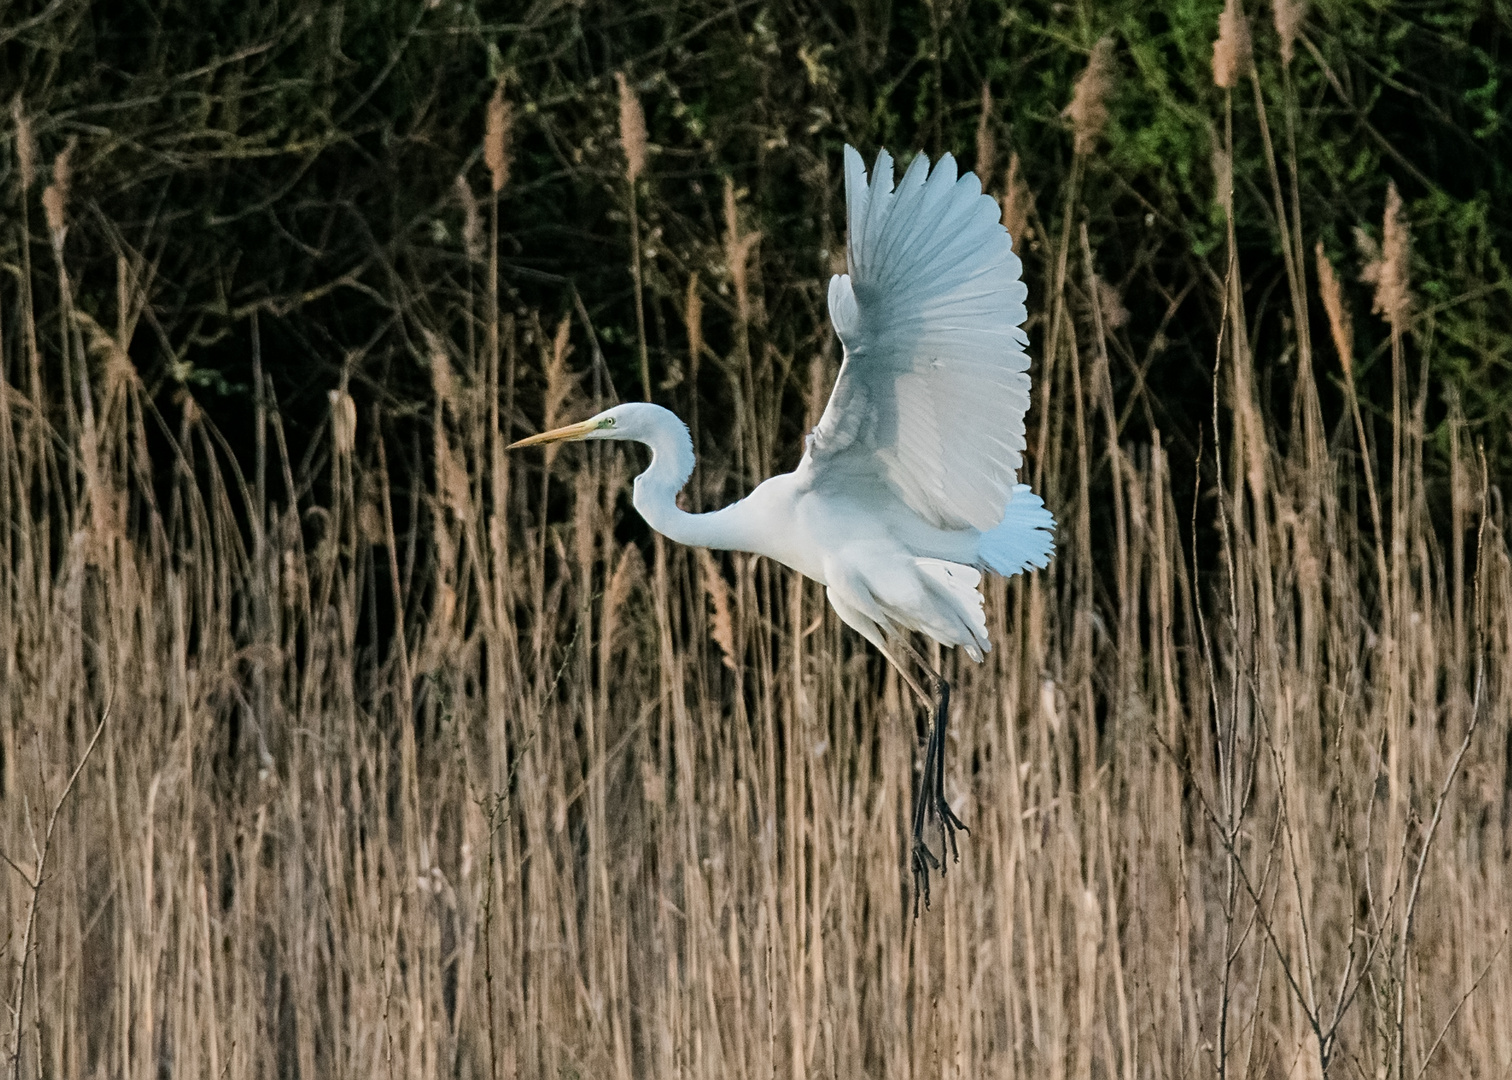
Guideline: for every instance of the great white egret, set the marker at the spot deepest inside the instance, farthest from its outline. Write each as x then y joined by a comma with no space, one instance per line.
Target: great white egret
907,489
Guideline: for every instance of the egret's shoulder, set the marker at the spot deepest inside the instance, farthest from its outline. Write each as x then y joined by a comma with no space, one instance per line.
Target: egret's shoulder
782,489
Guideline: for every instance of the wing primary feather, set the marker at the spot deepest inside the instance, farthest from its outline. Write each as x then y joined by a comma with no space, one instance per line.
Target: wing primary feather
932,391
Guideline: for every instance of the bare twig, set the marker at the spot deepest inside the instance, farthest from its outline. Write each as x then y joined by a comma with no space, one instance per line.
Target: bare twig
34,882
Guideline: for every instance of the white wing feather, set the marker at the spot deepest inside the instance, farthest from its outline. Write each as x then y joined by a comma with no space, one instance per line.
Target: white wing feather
934,386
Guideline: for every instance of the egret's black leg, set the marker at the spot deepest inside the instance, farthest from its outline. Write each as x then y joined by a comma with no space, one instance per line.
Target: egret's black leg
948,821
932,791
923,859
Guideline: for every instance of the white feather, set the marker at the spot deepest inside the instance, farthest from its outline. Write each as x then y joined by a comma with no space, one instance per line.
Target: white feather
934,386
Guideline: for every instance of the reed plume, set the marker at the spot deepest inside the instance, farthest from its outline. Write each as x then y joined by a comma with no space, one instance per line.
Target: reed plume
55,196
498,129
343,421
738,246
1386,263
472,220
1110,301
986,145
1339,325
1088,110
1231,49
721,624
1018,203
632,129
1288,15
632,132
558,381
693,318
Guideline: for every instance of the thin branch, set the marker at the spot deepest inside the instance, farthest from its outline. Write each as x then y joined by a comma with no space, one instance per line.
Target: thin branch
18,1009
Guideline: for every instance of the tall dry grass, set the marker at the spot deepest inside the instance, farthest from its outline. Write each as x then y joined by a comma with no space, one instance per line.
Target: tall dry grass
428,778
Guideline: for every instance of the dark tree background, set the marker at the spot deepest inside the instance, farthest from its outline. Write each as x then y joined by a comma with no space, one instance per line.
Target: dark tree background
291,171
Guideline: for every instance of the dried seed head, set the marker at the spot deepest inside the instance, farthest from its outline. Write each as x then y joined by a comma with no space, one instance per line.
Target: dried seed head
1018,203
343,421
1386,266
623,579
26,147
986,146
558,380
452,479
497,129
1333,303
442,382
55,197
693,316
628,572
584,512
733,250
737,251
1231,52
472,221
1289,15
52,206
1110,301
371,521
632,126
721,625
1088,111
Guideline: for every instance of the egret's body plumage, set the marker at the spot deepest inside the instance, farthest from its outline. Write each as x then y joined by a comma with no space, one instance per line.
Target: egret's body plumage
907,491
885,568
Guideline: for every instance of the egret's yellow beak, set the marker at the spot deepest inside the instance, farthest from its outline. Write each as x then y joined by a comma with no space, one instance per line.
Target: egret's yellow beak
570,433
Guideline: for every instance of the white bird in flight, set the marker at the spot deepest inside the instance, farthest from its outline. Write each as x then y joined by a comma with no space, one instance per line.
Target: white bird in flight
907,491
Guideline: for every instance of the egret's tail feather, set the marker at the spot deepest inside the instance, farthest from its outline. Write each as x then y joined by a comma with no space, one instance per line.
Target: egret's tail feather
1024,538
965,623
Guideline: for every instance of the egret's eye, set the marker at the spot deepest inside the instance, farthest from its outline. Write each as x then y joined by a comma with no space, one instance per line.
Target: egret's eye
608,421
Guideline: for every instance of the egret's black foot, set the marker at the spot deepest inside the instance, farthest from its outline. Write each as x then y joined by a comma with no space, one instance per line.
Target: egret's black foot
949,825
923,862
932,800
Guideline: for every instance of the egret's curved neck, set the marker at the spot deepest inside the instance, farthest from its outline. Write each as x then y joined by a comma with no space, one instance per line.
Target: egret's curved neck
656,494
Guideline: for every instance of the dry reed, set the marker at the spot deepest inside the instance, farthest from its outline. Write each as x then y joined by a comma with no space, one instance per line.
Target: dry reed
1339,323
1386,263
738,247
472,220
1288,18
693,320
498,130
478,789
632,133
986,144
632,129
1088,110
55,195
26,146
1232,57
1018,204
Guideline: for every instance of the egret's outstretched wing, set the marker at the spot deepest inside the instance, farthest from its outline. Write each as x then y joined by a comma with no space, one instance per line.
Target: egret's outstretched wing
934,386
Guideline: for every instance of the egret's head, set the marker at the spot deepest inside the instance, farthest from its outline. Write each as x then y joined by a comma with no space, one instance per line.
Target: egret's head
635,420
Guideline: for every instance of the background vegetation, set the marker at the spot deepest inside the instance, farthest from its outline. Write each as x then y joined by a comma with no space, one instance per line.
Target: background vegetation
337,742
